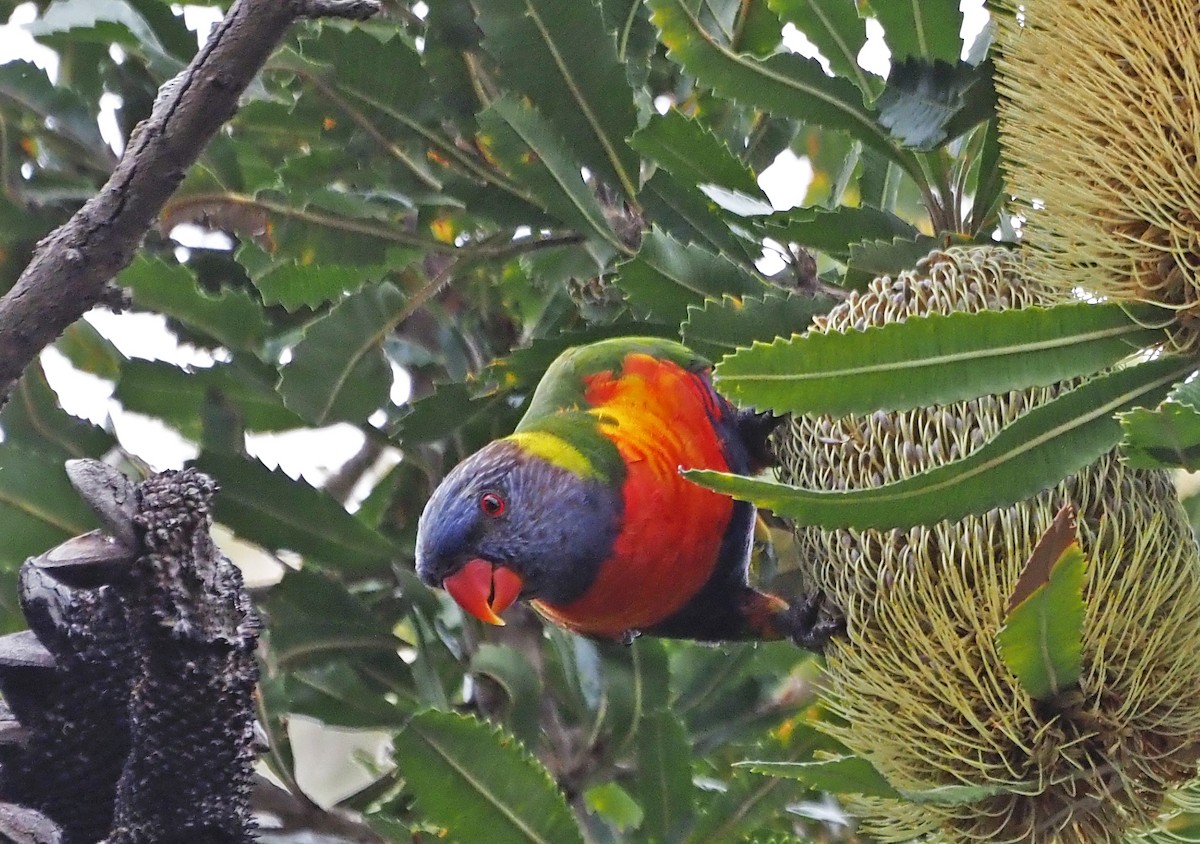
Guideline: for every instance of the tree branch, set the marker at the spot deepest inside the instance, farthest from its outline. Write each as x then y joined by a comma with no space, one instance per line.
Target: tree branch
71,266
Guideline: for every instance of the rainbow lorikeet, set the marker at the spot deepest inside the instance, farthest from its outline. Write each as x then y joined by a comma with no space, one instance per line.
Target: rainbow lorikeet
583,511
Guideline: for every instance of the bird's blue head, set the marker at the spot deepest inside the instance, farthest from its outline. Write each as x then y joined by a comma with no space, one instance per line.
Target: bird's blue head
515,520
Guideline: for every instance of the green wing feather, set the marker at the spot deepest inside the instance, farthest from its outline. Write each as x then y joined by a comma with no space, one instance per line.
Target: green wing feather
562,387
562,430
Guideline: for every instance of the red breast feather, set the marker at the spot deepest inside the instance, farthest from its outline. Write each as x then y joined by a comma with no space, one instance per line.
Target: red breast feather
660,416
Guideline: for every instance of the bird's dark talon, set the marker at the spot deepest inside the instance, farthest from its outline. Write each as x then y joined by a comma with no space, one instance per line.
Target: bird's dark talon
111,495
813,621
628,637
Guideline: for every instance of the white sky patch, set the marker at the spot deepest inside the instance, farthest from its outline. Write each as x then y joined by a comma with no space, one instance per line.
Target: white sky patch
739,203
311,453
771,261
80,393
192,236
201,20
152,440
797,42
334,762
786,180
143,335
875,57
17,44
109,131
975,18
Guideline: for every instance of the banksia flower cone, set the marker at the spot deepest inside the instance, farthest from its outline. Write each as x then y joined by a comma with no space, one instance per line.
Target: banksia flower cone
1100,123
919,680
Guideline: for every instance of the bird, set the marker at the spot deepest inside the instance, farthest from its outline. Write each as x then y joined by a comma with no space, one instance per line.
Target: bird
583,511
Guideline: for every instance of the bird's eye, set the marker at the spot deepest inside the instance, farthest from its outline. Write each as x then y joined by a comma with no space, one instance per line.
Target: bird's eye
491,503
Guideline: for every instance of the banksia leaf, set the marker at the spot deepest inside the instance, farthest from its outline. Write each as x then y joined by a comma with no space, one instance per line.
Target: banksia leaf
855,775
1165,437
479,784
721,326
936,359
839,775
1042,638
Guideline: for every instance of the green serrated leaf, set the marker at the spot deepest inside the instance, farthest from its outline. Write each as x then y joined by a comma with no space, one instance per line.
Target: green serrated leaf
106,22
450,407
633,682
1165,437
1041,641
855,775
560,55
693,153
24,87
721,326
874,258
838,32
1036,451
512,671
479,784
531,152
614,804
315,619
924,28
338,371
935,359
267,507
177,395
784,84
336,693
749,801
758,30
38,506
834,231
681,210
33,418
90,351
231,317
296,286
926,104
664,778
666,276
840,775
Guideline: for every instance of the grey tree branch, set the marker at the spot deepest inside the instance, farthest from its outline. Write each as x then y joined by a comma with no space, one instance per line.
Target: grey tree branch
71,265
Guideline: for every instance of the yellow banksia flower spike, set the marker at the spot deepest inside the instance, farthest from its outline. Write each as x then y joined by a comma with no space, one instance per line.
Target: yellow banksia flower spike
1100,126
919,680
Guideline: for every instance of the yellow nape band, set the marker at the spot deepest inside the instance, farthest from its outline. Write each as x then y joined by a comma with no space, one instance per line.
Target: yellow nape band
554,450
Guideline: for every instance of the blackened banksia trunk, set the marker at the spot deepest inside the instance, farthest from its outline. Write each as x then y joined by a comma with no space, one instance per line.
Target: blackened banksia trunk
135,692
919,680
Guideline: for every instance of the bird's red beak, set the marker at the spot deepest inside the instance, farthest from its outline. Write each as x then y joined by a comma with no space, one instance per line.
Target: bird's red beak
484,590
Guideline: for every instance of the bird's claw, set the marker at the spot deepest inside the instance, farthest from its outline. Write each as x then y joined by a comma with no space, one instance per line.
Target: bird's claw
813,621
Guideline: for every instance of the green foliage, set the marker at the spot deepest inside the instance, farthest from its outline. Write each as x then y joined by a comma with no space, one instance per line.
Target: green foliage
1040,448
1042,638
479,784
932,360
459,191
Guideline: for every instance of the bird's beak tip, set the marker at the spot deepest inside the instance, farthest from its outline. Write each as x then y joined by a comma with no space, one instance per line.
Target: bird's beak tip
484,590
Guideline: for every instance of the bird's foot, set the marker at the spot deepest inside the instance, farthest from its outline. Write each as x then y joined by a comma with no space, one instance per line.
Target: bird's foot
812,621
